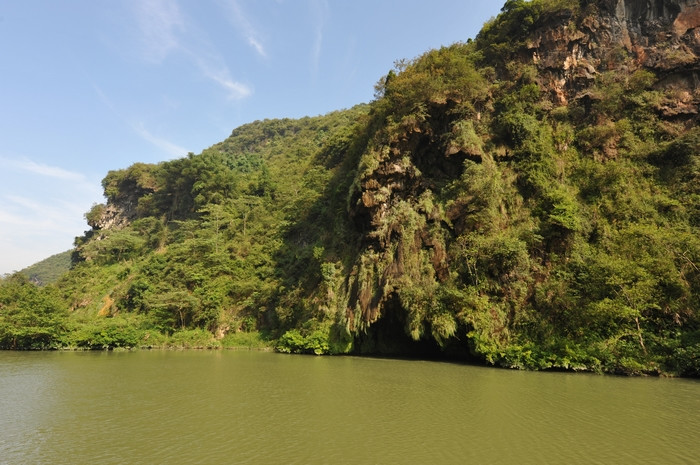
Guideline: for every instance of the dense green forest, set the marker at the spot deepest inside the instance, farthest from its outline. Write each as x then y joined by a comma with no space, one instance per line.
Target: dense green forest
49,270
473,210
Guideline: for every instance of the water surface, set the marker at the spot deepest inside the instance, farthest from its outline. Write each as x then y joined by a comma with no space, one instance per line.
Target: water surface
255,407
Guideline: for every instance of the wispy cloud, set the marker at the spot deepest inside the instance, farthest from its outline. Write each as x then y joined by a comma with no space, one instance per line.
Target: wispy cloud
160,23
41,169
163,144
24,202
33,229
51,216
13,220
166,30
105,99
235,89
139,128
320,12
41,210
243,24
212,68
253,42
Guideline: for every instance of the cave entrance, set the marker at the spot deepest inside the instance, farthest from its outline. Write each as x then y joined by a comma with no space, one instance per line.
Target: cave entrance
387,337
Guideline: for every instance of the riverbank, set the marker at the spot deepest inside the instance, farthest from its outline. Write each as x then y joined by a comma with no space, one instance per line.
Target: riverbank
200,340
194,339
120,334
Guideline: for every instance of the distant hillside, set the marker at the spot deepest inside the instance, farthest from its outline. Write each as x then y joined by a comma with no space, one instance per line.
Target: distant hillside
49,270
529,199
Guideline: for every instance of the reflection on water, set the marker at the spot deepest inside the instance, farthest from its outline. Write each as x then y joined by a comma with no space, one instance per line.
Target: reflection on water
256,407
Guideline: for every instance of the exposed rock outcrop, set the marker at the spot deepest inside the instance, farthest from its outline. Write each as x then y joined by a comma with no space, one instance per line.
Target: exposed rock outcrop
394,207
124,189
393,203
116,215
659,35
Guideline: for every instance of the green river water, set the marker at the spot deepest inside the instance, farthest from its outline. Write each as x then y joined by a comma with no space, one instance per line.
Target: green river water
220,407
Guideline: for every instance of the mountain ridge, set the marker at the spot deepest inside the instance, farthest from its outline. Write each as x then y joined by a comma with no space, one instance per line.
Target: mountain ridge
525,199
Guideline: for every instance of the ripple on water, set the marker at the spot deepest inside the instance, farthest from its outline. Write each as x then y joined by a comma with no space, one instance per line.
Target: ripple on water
240,407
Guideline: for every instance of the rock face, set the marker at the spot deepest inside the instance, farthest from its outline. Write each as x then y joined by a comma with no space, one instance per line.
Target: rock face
394,209
659,35
115,216
120,211
393,205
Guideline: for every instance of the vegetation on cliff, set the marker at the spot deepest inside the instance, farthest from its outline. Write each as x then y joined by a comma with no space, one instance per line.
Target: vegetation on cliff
486,205
49,270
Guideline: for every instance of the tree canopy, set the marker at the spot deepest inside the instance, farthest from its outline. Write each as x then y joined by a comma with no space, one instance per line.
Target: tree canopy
463,212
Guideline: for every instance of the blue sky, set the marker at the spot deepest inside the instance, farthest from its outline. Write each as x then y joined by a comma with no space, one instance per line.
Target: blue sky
87,86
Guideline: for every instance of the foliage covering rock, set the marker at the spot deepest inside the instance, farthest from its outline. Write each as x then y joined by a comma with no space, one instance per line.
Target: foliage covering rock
528,199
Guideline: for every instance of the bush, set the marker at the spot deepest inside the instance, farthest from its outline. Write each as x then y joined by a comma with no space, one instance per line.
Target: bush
246,340
193,339
107,333
30,317
294,342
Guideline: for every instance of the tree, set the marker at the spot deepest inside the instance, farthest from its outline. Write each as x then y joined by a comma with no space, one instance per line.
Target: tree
30,317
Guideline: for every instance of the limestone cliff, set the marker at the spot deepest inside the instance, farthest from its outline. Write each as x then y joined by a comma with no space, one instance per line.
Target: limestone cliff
115,214
529,198
569,49
128,193
408,232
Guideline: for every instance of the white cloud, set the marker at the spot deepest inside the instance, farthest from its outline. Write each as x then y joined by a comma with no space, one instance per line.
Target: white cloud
163,144
170,148
31,231
105,99
160,23
54,215
220,74
41,210
243,24
253,42
25,203
41,169
165,30
11,219
236,90
320,11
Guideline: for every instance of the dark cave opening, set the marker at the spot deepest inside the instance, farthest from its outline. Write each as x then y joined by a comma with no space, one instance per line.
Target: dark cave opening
387,337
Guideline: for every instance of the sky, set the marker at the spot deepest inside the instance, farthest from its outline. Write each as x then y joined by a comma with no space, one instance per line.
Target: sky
88,86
